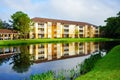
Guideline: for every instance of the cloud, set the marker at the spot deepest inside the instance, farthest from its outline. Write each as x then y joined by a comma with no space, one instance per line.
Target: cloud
92,11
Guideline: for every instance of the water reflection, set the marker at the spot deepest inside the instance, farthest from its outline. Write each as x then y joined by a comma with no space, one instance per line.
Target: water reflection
48,52
21,61
18,62
23,55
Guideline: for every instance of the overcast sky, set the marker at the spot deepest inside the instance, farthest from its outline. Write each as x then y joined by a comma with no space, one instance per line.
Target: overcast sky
91,11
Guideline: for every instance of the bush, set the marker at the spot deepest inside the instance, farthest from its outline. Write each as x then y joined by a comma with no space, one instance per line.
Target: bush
89,63
44,76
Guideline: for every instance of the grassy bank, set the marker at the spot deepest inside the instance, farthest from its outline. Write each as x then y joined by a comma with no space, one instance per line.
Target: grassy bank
108,68
33,41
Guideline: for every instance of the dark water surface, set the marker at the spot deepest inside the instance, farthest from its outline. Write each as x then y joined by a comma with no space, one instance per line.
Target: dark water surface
19,62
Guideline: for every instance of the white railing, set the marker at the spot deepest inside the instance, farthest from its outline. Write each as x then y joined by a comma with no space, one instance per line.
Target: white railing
41,26
66,32
41,32
66,27
80,32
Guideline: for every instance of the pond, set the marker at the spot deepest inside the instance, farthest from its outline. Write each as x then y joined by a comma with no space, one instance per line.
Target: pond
19,62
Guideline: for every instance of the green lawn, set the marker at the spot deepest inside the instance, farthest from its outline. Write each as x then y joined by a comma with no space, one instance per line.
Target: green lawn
33,41
107,68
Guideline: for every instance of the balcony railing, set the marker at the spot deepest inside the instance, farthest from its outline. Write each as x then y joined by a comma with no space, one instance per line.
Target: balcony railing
66,32
66,47
66,27
41,32
41,26
80,32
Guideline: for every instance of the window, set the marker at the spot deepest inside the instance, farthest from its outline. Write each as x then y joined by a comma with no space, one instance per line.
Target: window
41,46
66,26
80,26
66,45
80,30
81,35
66,35
96,27
40,23
96,31
41,35
66,30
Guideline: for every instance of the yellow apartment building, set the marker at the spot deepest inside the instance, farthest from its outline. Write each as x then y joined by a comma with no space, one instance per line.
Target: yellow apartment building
53,28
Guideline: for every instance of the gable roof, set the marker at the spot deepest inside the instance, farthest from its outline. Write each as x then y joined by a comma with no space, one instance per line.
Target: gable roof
36,19
7,31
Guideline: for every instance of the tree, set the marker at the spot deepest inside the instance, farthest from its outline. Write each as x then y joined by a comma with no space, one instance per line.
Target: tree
112,27
4,25
21,22
76,32
1,24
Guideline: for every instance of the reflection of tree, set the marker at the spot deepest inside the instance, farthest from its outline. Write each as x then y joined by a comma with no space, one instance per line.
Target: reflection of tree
76,48
21,61
108,45
4,60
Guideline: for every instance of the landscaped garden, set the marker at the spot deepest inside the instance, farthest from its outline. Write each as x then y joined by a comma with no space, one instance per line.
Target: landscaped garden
108,68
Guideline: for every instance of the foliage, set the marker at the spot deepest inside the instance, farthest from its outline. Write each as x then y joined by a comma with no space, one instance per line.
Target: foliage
76,32
89,63
44,76
21,22
1,24
4,25
61,75
112,27
73,73
107,68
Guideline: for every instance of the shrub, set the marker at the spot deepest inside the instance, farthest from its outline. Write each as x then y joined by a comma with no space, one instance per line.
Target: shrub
89,63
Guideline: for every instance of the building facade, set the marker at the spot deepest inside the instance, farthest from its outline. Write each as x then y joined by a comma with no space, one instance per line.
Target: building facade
6,34
52,28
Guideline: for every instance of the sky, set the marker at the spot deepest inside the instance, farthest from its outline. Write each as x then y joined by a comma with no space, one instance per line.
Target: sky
91,11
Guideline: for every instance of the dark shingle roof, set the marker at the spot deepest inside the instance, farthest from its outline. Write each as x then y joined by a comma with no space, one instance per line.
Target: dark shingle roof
36,19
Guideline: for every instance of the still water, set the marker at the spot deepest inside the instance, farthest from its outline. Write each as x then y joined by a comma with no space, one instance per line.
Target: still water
19,62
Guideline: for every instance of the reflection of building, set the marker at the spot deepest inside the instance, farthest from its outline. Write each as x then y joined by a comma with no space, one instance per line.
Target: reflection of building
52,28
62,50
6,51
48,52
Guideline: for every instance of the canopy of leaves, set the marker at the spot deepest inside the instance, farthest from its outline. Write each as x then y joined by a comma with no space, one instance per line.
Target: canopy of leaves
4,25
112,27
21,22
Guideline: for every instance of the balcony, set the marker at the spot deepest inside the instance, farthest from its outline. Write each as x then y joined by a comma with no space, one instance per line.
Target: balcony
41,50
66,47
66,27
40,25
66,32
80,32
41,32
